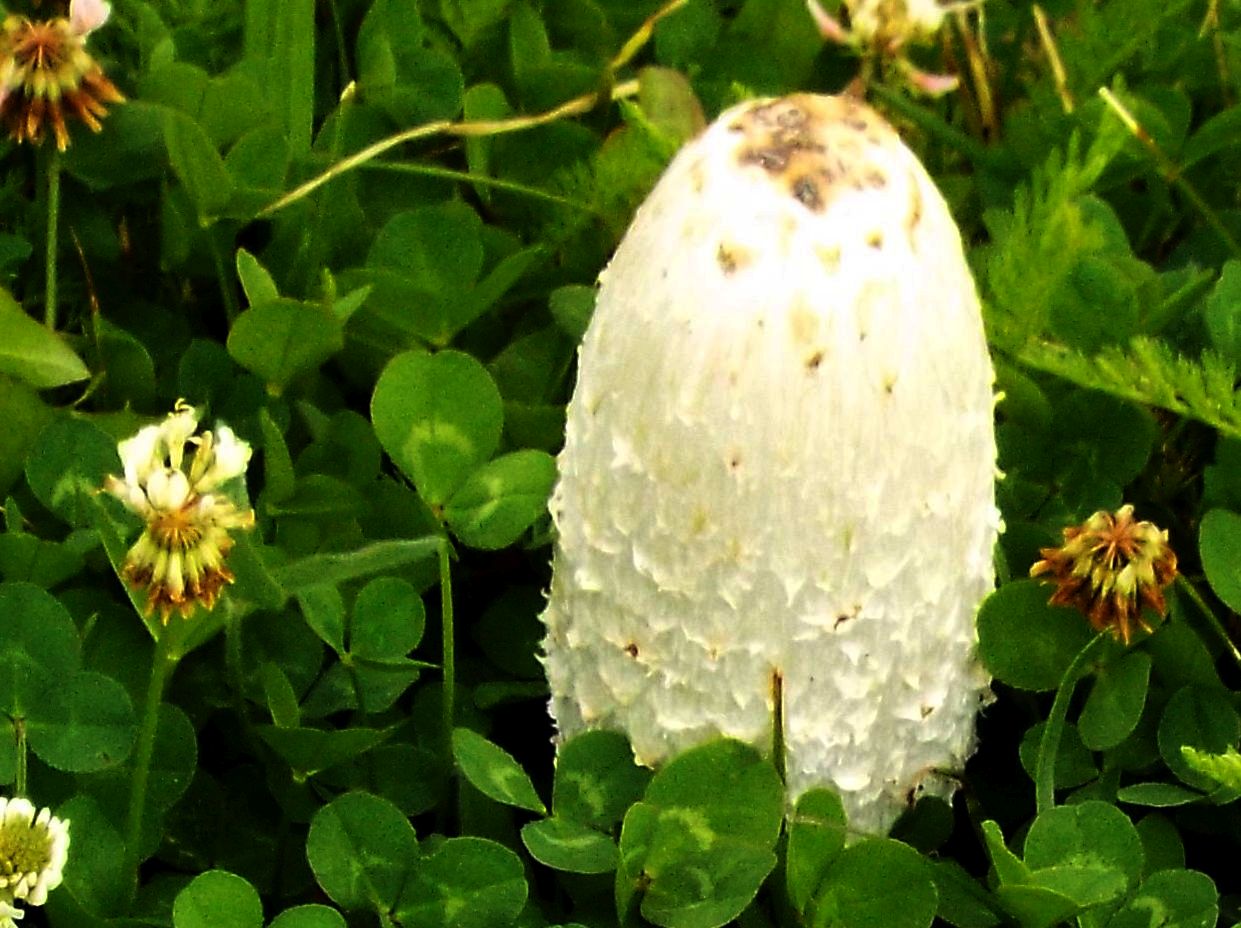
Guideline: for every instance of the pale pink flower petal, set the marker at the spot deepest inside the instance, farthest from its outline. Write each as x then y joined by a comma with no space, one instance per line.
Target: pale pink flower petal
85,16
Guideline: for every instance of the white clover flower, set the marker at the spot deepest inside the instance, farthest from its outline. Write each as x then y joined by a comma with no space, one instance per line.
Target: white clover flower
892,23
886,25
8,913
33,852
180,556
228,458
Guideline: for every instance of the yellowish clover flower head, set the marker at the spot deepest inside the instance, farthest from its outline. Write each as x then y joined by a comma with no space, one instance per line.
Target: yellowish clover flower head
33,850
179,558
885,27
46,73
890,24
1109,567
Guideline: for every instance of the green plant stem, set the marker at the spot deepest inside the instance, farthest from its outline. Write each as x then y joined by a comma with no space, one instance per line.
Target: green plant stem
224,276
575,107
933,125
163,663
1196,598
1171,171
318,241
482,180
52,170
19,733
643,35
446,622
338,32
1049,744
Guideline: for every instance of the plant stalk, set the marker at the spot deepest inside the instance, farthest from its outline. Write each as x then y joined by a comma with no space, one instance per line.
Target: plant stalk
52,169
933,125
163,663
19,733
1171,171
575,107
446,623
224,276
1053,730
1196,598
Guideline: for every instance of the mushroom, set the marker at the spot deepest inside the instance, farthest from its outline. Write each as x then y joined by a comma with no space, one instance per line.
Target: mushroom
775,506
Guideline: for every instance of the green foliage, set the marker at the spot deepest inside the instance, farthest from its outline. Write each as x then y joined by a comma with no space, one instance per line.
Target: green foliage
439,417
33,354
493,771
857,890
1224,769
361,849
217,898
366,237
1023,641
563,844
695,858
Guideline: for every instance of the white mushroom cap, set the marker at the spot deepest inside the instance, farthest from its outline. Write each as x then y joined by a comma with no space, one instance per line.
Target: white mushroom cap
777,479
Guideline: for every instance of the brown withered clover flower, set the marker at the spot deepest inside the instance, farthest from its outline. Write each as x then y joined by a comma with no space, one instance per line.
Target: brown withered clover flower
1109,567
46,73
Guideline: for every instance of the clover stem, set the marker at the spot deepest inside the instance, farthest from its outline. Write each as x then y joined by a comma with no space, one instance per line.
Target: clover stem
446,622
163,663
1053,730
224,275
52,170
19,781
1196,598
1171,171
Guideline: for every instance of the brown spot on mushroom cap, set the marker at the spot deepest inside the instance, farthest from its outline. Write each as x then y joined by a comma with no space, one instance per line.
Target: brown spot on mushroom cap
806,192
812,144
915,209
843,617
872,177
731,257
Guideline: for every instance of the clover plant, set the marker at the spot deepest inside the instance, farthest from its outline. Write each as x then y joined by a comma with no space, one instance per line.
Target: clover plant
279,666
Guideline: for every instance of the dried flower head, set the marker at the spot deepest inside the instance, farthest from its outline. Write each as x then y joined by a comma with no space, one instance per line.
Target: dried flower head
46,72
1109,567
885,27
889,24
33,851
180,556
